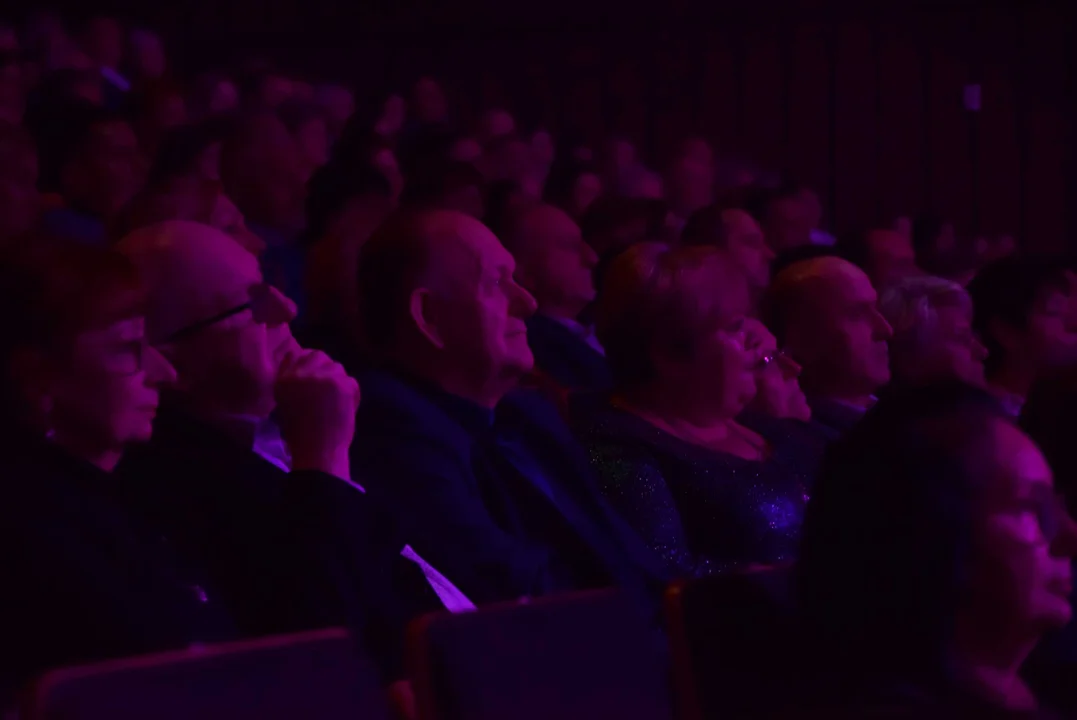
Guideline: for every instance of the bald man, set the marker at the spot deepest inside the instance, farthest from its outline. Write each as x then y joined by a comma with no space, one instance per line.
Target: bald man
248,469
824,313
497,493
557,267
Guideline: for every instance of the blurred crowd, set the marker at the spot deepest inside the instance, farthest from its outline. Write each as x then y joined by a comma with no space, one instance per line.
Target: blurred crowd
278,359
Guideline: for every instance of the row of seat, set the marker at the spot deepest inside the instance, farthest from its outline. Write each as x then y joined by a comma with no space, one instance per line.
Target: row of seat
580,656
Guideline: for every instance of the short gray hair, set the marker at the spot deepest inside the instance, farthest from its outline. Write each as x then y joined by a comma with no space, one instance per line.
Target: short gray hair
911,307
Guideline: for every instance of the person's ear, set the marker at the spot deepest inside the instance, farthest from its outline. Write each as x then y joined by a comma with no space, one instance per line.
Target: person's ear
424,313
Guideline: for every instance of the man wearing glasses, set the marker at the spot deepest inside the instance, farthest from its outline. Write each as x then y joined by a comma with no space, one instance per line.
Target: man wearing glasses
249,467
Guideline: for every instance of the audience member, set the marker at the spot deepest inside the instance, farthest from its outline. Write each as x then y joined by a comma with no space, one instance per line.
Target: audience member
19,201
689,187
935,555
80,385
262,172
1022,314
159,108
786,215
556,266
307,125
777,389
345,205
704,491
146,56
91,158
214,94
933,336
887,256
736,233
337,103
573,186
823,312
248,467
488,480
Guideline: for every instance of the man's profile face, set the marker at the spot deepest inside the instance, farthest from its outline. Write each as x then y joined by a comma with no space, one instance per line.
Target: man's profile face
480,309
847,334
747,247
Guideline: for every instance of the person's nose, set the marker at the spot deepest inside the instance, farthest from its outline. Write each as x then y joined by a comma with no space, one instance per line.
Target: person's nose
158,369
790,367
521,303
979,352
883,331
280,309
1064,543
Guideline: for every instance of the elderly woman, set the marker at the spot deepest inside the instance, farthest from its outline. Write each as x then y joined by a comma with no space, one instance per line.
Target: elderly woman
702,489
80,385
933,336
935,555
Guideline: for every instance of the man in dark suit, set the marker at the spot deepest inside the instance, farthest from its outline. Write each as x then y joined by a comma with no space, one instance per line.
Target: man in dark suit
824,313
488,481
248,469
556,266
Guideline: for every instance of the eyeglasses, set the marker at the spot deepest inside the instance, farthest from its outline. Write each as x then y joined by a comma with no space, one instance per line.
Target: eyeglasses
203,324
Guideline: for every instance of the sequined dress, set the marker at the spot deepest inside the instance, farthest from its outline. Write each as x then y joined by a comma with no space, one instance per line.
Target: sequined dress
703,511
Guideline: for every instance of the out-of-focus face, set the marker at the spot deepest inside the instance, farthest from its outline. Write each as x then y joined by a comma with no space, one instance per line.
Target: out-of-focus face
542,149
224,98
1050,338
844,340
170,112
107,386
557,266
430,104
690,186
109,171
385,162
747,247
778,393
587,189
104,42
148,54
338,104
955,351
890,256
466,150
275,187
274,92
19,199
393,115
789,223
1020,579
480,309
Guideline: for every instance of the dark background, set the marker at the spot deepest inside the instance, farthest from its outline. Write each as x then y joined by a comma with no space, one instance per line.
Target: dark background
865,100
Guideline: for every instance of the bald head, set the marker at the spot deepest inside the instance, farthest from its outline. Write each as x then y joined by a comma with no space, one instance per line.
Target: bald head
553,261
824,312
225,330
192,271
438,297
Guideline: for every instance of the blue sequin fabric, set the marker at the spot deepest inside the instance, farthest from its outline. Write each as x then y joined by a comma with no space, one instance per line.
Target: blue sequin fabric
704,511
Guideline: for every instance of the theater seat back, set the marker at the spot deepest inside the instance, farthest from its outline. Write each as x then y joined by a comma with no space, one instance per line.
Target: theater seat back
317,675
736,645
579,657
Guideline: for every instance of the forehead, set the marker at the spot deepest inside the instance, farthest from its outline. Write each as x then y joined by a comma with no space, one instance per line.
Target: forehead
1019,462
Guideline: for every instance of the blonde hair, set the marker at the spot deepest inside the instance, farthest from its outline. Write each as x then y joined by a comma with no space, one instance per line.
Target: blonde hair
657,298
